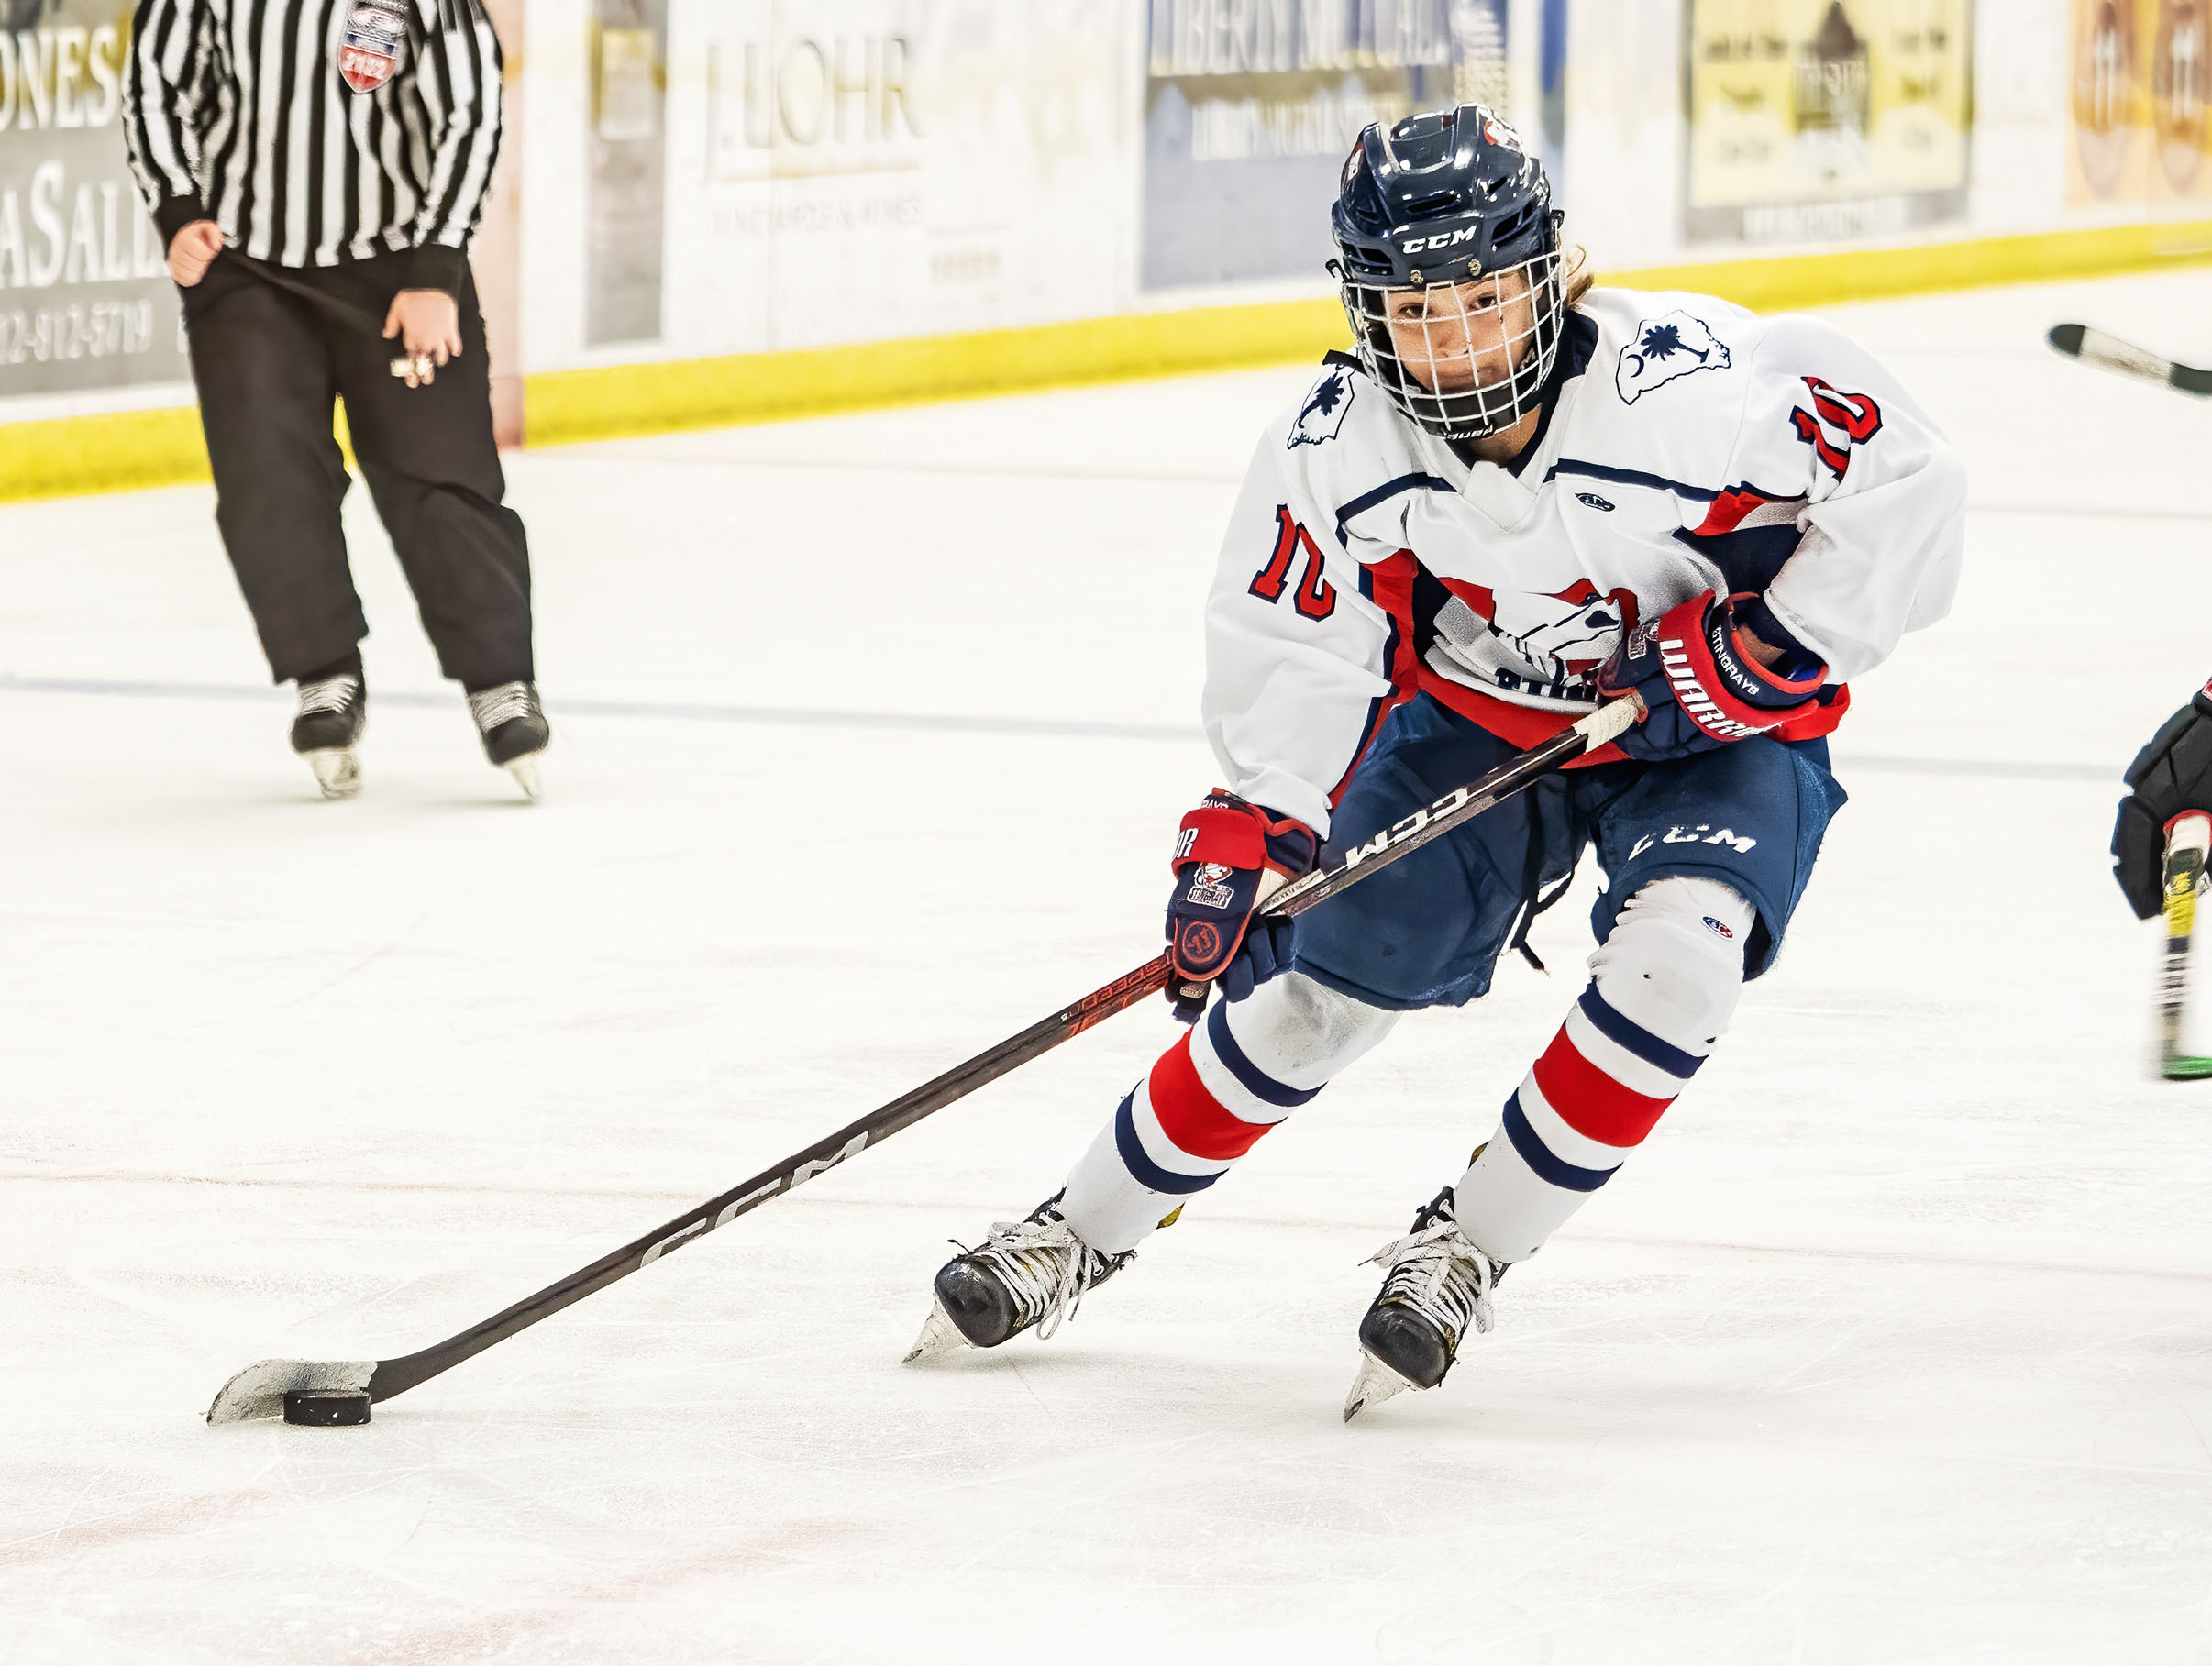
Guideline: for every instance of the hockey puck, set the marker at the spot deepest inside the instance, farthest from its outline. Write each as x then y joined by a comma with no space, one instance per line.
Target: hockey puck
326,1408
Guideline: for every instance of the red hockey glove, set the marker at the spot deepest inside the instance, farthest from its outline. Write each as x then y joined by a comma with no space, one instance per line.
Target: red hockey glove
1230,856
1700,685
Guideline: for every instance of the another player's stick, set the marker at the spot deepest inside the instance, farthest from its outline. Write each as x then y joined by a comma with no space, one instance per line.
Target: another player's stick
258,1390
2094,346
2187,841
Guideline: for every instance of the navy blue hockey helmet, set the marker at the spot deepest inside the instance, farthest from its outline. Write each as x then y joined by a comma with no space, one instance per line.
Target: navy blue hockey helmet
1447,252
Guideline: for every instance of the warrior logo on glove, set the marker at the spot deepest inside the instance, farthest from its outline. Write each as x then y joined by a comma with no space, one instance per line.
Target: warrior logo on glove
1701,685
1198,941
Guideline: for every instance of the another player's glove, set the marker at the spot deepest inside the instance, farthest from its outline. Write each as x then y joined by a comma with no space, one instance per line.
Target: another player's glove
2169,777
1230,856
1700,686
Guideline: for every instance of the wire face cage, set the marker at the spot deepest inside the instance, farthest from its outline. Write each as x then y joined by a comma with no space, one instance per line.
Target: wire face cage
1467,358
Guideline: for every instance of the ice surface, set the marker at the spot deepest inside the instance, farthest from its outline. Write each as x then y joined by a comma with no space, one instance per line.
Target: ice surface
1894,1345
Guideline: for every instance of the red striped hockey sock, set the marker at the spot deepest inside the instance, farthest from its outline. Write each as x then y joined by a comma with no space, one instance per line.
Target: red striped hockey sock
1207,1101
1662,991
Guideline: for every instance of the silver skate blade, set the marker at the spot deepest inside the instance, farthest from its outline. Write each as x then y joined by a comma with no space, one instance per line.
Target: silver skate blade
524,771
1375,1383
939,1335
338,770
258,1390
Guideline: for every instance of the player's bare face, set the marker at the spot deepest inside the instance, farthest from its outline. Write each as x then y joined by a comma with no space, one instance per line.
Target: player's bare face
1454,337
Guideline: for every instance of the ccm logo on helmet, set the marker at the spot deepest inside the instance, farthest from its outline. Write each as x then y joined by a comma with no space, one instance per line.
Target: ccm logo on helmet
1443,239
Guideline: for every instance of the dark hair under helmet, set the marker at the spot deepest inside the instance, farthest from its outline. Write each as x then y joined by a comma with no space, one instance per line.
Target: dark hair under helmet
1445,198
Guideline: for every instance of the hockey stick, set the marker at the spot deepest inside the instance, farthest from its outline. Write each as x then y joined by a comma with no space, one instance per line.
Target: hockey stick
258,1390
2187,841
2110,352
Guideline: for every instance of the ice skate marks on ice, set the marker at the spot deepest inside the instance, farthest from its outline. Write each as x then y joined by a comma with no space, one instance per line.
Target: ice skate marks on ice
258,1390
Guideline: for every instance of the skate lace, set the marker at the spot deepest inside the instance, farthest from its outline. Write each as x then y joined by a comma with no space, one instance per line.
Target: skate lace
1441,1277
493,707
329,694
1045,1266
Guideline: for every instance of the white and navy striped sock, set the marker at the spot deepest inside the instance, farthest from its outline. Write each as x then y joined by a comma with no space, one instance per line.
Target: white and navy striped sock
1207,1101
1665,986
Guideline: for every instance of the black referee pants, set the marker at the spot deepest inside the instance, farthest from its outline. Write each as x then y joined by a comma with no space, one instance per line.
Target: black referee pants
269,352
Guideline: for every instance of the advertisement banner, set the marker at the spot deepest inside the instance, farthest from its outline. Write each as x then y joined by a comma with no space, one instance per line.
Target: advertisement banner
2138,85
1826,120
1250,107
84,299
629,74
848,171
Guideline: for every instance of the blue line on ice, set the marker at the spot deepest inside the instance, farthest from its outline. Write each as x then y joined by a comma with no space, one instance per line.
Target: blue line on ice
947,723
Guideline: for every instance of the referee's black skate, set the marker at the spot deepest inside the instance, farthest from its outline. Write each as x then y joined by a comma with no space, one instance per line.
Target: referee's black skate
327,731
1436,1291
1026,1273
514,728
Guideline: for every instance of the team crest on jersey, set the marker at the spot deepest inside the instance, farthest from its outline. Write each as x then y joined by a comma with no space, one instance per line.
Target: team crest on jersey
1567,636
376,36
1323,413
1665,350
1550,645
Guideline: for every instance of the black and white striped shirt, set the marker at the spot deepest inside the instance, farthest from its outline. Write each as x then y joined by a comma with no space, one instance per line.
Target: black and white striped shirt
247,111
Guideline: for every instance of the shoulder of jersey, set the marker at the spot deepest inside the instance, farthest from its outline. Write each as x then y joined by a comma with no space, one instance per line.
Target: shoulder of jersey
1342,429
1667,352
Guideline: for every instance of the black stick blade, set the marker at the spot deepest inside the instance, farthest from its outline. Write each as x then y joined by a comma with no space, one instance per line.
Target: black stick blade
2067,338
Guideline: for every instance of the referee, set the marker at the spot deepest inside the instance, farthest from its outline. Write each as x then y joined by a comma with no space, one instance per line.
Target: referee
315,169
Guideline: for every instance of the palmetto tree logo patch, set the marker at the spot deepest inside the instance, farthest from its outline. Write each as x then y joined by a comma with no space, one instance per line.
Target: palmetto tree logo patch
376,37
1323,413
1666,350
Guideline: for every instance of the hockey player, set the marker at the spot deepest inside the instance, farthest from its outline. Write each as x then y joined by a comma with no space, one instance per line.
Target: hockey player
1517,496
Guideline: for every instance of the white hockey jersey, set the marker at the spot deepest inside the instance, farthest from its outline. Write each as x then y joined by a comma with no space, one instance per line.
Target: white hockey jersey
1694,446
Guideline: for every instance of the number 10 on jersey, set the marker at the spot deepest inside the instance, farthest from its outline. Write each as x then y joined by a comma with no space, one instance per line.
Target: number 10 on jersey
1316,597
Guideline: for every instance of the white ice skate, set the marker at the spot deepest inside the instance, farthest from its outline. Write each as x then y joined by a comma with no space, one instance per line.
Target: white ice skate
1437,1289
1026,1273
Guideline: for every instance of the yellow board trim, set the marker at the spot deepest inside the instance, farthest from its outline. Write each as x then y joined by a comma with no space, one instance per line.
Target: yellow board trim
119,451
139,448
559,406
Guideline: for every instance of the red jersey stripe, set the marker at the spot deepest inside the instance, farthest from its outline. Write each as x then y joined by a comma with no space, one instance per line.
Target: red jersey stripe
1525,726
1197,1122
1591,1102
